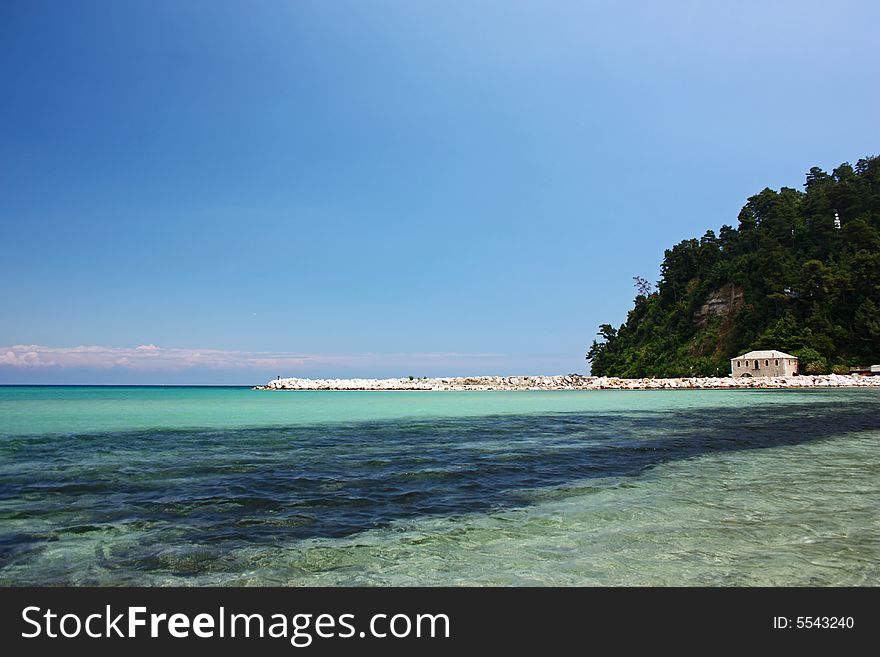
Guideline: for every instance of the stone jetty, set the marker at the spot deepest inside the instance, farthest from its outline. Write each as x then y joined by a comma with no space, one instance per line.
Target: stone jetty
574,382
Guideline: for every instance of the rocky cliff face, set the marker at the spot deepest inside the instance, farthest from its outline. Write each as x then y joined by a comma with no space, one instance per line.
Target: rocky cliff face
723,302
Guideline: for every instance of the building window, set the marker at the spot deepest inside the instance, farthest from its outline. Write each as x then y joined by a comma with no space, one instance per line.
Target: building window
766,362
737,363
777,363
747,363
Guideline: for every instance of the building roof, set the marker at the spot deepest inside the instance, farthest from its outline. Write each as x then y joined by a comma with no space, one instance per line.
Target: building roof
764,354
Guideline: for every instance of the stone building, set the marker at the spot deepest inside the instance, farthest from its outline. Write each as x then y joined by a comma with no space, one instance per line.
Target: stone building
764,363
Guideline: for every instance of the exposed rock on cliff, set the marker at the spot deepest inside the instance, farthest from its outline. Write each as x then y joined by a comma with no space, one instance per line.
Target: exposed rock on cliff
723,302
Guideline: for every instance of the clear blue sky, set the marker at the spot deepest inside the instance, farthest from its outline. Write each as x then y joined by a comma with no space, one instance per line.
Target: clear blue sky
246,189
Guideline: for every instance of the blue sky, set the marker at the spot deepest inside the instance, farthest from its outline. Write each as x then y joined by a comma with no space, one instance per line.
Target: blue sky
387,188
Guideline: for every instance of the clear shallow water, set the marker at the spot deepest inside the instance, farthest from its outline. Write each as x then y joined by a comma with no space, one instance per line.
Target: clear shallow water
234,486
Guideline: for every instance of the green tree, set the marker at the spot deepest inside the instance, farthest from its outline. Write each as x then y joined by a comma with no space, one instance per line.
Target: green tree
786,278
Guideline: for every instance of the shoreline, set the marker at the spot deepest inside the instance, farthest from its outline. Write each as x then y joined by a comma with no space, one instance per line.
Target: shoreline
574,382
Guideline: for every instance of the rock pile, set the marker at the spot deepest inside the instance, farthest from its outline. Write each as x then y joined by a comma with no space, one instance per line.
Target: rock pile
573,382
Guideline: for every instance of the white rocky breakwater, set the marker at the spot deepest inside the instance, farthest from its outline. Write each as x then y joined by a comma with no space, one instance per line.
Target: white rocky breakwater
573,382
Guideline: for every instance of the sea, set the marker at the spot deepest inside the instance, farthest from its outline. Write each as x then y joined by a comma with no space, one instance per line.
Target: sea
205,486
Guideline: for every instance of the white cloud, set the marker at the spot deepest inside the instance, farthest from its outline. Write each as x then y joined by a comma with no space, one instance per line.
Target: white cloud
21,356
159,359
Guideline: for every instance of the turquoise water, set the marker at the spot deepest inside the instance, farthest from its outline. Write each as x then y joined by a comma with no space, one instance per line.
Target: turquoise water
150,485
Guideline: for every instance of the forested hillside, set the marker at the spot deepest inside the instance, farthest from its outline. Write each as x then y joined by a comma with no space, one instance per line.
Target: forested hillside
800,273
